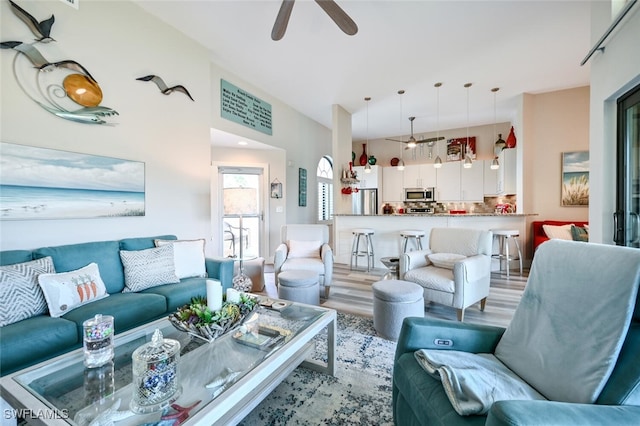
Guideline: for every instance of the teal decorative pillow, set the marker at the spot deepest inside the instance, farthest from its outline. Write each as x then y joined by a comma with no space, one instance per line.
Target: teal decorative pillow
148,268
580,233
19,290
69,290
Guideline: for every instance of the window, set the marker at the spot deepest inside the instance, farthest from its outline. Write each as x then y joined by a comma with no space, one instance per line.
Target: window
325,189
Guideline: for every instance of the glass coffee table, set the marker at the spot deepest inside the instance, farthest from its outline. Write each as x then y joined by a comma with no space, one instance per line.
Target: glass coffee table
223,380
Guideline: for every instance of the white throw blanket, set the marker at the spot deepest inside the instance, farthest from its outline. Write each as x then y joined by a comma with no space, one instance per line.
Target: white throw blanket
473,382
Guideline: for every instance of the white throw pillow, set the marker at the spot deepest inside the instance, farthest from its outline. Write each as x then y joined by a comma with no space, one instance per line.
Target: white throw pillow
561,232
20,295
445,260
298,249
69,290
188,256
148,268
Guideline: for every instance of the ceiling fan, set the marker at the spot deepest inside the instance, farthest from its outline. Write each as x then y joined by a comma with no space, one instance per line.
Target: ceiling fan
413,142
334,11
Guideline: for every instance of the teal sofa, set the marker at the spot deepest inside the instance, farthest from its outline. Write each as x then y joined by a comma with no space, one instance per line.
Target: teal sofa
420,399
42,337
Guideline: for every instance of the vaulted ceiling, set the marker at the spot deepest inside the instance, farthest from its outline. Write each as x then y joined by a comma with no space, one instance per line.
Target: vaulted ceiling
520,46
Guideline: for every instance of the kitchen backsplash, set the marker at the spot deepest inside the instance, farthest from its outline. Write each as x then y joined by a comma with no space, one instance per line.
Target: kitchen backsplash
505,204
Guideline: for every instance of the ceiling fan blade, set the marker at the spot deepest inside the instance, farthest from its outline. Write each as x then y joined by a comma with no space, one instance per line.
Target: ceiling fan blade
395,140
339,16
282,20
429,140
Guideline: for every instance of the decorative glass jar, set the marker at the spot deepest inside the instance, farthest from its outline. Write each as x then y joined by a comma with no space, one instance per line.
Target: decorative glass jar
156,382
98,340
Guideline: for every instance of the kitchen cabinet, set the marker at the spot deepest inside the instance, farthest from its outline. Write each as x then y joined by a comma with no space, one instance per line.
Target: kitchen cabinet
510,170
419,176
494,179
369,180
455,183
503,180
448,182
472,182
392,185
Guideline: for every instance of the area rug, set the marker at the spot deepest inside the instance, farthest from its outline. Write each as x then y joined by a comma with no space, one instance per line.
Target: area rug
359,394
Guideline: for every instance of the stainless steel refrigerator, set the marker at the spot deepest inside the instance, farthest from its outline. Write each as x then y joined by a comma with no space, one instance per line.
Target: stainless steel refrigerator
365,202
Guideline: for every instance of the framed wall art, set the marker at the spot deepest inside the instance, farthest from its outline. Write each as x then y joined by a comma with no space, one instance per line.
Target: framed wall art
276,189
302,187
41,183
575,179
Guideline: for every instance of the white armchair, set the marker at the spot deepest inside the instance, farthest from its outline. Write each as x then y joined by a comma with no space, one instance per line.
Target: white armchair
455,270
305,247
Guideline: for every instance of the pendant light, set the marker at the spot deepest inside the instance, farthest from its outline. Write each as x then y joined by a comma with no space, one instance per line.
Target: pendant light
467,158
401,162
438,161
500,143
367,167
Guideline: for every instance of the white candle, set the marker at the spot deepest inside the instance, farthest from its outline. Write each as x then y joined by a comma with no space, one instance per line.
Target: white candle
233,295
214,295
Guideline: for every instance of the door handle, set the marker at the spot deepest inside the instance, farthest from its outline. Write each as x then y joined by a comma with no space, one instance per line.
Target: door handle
617,230
634,225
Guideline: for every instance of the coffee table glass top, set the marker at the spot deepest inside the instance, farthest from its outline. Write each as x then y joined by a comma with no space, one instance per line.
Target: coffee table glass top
206,370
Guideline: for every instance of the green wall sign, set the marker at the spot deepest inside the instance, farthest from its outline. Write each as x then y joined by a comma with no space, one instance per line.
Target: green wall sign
244,108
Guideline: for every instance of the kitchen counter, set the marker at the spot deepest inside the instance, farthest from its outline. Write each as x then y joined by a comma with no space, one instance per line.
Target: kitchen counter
387,227
444,214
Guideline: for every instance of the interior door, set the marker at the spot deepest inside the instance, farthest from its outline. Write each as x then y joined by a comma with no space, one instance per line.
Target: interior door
627,215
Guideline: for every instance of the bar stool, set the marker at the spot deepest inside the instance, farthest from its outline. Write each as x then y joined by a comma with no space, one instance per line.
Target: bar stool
416,235
358,234
504,236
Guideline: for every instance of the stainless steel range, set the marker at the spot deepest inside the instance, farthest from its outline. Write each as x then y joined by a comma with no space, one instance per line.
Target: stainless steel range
426,210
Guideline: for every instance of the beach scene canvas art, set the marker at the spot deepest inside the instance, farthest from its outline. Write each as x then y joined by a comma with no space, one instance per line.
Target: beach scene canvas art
41,183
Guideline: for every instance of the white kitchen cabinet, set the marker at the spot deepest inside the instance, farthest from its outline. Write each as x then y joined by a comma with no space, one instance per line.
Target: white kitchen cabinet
472,182
419,176
494,179
455,183
510,170
369,180
448,182
392,185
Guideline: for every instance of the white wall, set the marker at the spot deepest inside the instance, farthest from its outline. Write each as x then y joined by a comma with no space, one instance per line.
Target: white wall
613,72
119,42
305,142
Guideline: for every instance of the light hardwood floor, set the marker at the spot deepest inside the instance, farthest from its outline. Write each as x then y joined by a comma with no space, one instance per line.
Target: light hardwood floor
351,293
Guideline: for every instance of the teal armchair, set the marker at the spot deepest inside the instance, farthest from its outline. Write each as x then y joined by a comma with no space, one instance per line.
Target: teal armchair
571,309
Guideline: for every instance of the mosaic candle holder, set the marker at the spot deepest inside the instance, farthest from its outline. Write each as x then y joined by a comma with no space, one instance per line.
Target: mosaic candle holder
156,381
98,340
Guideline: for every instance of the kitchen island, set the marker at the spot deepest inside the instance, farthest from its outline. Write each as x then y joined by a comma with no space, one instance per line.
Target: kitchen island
387,227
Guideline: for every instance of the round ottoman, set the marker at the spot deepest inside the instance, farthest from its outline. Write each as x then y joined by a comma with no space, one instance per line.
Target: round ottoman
299,286
393,301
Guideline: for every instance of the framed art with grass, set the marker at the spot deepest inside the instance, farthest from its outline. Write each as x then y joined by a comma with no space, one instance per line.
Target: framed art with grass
575,179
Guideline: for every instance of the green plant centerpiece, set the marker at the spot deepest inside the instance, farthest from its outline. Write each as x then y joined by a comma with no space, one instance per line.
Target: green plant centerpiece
197,319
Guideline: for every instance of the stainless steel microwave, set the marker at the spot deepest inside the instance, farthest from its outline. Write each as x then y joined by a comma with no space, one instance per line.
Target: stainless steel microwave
419,194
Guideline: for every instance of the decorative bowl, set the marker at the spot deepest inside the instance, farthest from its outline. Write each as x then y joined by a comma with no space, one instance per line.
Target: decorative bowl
198,320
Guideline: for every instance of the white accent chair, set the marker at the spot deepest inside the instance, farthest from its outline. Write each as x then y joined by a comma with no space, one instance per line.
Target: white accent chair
463,274
304,238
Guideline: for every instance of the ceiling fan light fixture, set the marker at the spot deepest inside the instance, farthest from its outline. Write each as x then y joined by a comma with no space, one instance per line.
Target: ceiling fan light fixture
411,143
